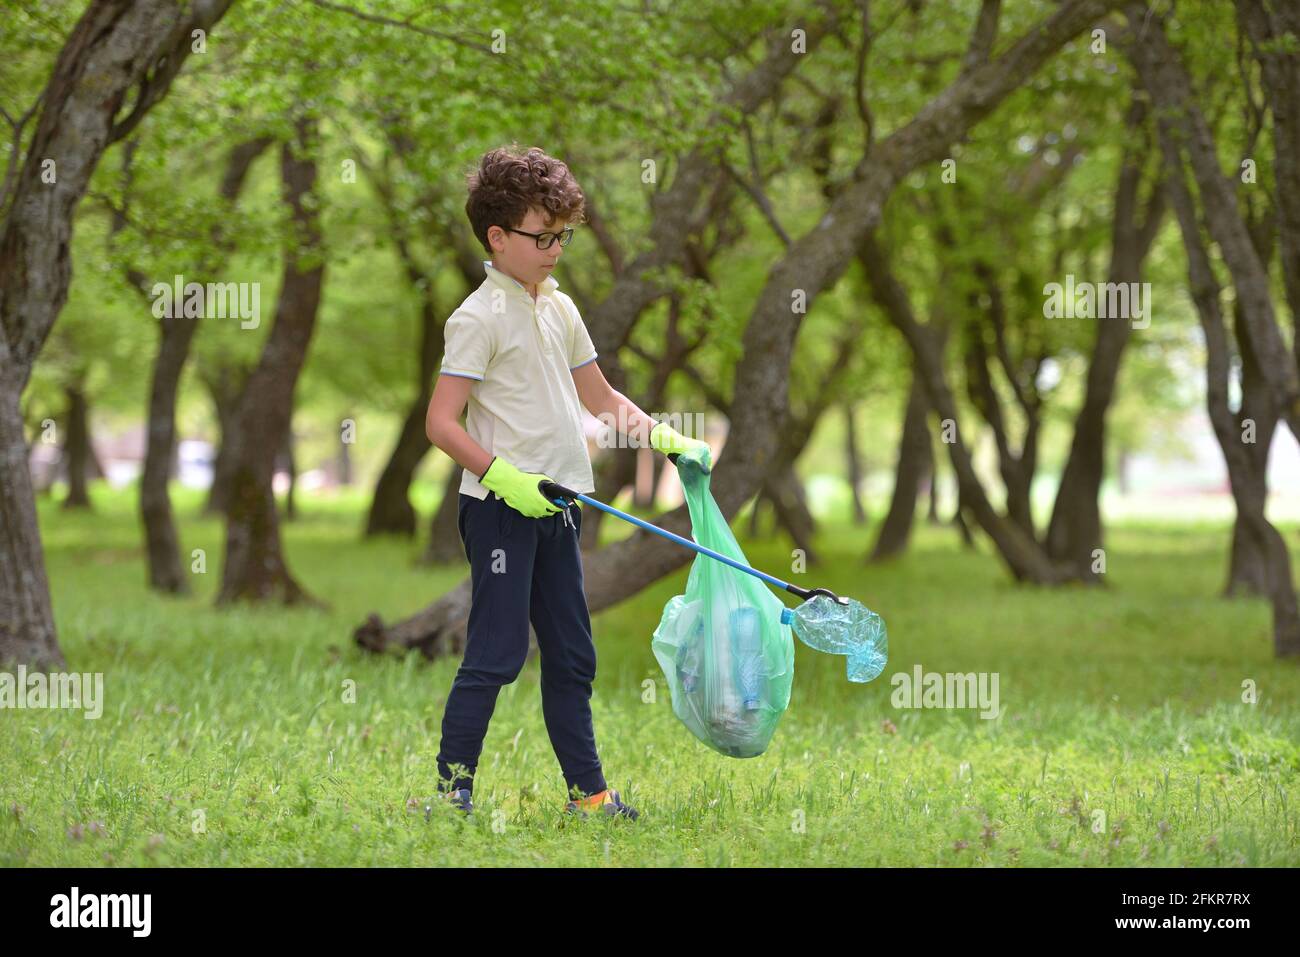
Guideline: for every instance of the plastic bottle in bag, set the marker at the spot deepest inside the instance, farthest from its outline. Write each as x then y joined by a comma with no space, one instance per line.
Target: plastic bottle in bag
689,659
747,644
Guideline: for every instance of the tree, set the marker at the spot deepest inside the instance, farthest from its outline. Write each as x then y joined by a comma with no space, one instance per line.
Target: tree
166,573
1187,143
254,568
812,263
1075,527
115,47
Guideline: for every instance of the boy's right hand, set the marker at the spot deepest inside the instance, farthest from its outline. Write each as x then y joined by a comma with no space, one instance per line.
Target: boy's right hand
519,489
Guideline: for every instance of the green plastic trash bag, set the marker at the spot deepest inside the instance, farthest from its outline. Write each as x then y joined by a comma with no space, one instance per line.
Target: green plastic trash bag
723,649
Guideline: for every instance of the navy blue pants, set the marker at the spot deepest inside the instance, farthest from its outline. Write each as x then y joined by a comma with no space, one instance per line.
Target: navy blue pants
523,569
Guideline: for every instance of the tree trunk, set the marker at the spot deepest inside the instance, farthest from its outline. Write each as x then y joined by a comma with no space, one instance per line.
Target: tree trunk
1017,470
76,448
791,506
915,459
162,543
254,568
754,529
1248,562
960,523
225,386
854,463
160,536
1021,554
1247,484
1163,75
1074,529
27,634
166,571
113,48
1248,566
391,511
1273,26
289,466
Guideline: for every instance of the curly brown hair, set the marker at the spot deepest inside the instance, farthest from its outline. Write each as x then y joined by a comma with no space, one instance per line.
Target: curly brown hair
510,180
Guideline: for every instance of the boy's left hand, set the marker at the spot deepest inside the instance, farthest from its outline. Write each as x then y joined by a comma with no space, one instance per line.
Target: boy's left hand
669,441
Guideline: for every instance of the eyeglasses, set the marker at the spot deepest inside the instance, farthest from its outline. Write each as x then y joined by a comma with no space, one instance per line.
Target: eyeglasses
546,240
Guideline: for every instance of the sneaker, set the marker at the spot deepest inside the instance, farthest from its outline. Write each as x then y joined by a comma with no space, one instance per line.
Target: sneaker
459,799
608,802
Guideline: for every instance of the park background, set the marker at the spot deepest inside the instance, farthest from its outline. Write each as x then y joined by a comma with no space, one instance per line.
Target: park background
826,228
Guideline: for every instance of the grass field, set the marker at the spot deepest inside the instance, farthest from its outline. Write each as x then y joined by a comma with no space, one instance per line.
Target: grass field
226,737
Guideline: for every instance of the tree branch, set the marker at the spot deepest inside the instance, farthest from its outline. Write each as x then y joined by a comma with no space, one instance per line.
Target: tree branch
16,149
860,78
178,47
755,189
404,25
984,35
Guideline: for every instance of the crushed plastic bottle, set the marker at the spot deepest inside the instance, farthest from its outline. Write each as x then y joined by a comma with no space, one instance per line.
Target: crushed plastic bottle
851,629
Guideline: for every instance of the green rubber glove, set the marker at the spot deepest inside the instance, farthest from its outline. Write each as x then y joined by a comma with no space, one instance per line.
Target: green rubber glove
519,489
668,441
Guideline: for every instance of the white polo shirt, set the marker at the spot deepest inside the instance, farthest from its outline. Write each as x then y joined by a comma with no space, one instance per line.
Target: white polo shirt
521,353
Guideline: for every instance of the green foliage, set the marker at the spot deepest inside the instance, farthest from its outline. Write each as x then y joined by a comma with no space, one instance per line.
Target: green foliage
612,88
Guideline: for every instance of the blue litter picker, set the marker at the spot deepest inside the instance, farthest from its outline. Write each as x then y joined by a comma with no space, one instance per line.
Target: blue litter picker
725,646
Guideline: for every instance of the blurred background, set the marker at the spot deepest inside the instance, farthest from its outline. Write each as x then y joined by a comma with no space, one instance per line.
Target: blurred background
828,232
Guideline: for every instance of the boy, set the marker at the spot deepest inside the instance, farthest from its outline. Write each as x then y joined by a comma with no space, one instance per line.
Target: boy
519,354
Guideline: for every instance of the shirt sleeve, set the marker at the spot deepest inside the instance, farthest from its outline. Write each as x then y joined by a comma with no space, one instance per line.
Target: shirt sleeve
581,349
466,347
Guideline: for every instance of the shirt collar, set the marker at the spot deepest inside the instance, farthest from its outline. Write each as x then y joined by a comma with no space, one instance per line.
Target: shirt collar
545,287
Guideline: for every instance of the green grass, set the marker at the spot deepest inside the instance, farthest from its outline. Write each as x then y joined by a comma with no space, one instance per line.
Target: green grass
226,740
